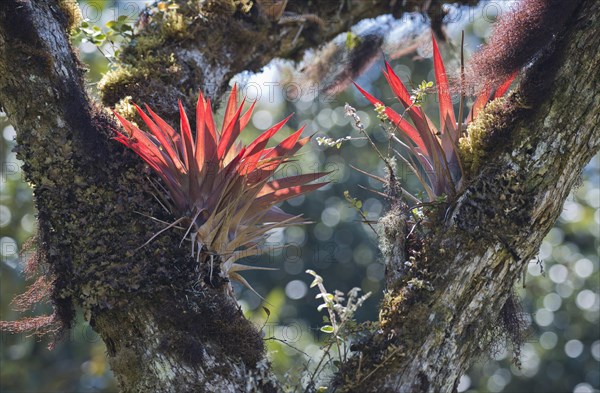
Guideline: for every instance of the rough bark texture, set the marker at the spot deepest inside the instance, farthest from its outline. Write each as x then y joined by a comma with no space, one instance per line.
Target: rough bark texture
147,305
167,330
205,44
454,301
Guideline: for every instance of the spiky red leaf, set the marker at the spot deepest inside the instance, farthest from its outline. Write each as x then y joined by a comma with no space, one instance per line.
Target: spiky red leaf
447,119
284,194
503,88
230,134
395,118
291,181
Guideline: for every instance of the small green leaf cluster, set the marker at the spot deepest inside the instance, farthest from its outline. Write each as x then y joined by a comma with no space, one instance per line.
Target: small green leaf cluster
356,203
115,30
115,33
329,142
339,321
120,27
90,33
352,40
418,95
380,110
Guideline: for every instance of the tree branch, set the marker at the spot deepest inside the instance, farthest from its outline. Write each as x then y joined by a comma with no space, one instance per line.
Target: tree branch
90,192
455,299
204,44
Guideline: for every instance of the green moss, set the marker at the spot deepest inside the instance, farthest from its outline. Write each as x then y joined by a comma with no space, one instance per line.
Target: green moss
130,80
244,6
226,7
475,145
416,283
148,60
145,44
390,308
175,49
390,228
72,12
118,76
175,26
126,109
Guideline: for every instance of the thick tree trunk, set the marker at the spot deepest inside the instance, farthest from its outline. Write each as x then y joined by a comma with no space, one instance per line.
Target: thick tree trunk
456,300
165,328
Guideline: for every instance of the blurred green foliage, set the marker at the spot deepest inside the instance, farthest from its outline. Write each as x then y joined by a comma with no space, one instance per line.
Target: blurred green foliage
561,298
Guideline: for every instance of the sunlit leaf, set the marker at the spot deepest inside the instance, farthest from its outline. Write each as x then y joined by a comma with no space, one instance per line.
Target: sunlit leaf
218,186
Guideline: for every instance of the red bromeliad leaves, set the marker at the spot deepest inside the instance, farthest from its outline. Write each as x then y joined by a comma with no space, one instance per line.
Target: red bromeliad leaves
486,95
221,188
447,119
432,149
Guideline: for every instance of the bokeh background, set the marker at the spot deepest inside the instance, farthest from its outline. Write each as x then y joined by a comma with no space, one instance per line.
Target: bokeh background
561,299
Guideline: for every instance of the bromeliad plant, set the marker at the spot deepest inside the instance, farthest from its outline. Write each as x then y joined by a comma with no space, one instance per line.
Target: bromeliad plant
222,193
431,148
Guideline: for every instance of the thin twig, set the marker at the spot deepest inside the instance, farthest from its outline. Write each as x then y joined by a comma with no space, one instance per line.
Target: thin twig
289,345
351,112
159,232
391,355
313,376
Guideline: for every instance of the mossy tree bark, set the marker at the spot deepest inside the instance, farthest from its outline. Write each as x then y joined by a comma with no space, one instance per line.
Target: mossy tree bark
165,328
454,300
